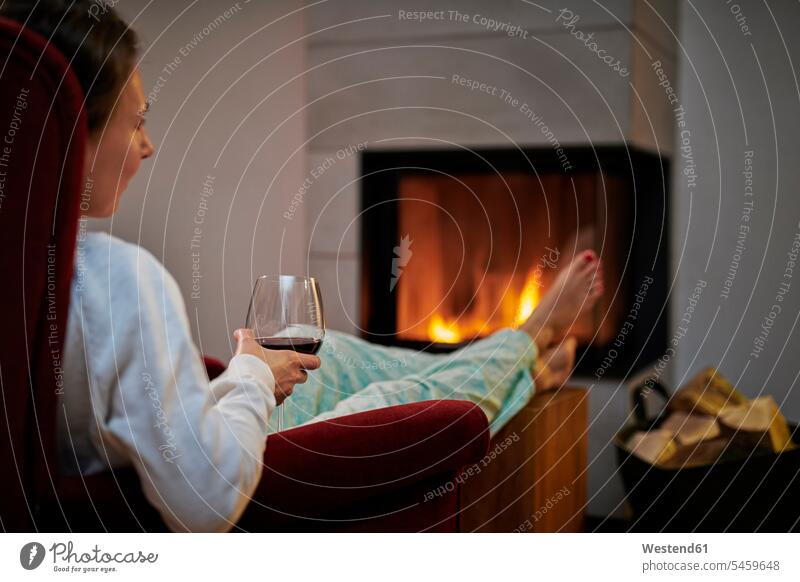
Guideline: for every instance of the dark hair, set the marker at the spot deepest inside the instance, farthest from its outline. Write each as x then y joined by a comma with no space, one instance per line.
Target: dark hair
102,47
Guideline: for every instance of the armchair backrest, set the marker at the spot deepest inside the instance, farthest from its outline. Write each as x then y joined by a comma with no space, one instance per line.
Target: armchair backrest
42,141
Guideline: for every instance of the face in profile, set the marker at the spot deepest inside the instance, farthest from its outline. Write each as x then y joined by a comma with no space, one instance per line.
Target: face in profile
115,151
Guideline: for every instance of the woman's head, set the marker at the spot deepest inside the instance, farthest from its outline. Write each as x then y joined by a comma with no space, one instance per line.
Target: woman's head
103,52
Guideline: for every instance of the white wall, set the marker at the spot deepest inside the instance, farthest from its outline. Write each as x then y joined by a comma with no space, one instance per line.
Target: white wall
224,80
721,63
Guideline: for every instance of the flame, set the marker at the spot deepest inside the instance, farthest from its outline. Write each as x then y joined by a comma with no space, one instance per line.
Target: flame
521,305
446,333
528,299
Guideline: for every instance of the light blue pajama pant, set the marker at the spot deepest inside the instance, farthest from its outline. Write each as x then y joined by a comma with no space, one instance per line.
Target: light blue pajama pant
356,375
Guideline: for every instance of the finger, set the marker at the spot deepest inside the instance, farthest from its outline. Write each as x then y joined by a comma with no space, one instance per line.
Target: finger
310,362
302,377
293,358
243,334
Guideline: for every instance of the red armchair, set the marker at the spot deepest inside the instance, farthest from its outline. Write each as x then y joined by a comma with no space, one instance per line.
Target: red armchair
367,471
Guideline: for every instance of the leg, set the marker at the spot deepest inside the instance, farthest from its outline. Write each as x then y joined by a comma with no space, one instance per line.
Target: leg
495,373
348,365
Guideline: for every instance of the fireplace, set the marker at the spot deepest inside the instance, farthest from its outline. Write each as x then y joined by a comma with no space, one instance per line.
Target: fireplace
459,243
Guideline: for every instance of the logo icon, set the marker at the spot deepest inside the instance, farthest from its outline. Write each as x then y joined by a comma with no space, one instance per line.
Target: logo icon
31,555
402,254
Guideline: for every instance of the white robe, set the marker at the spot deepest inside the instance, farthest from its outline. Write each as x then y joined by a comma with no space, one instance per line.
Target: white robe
136,392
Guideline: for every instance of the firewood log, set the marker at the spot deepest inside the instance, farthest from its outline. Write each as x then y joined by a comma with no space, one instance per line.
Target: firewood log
654,447
690,429
701,454
706,393
758,423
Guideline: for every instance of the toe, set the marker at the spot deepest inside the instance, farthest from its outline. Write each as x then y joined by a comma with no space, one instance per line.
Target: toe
590,267
584,260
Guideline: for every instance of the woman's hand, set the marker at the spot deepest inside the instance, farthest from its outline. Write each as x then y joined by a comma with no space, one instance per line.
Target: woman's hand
288,367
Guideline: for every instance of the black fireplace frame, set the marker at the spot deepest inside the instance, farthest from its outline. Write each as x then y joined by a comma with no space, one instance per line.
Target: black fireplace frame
648,175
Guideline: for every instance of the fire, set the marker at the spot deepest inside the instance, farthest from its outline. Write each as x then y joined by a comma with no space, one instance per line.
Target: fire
446,333
528,299
513,310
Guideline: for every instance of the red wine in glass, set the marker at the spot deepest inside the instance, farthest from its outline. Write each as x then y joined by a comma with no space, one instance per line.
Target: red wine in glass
285,313
303,345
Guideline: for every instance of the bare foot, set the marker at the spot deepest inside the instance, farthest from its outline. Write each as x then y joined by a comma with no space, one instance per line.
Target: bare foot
575,292
554,365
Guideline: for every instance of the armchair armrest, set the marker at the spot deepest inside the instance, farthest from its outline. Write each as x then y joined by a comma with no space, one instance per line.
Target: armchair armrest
324,468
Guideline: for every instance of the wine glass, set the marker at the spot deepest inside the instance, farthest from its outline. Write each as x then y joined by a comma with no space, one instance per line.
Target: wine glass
285,313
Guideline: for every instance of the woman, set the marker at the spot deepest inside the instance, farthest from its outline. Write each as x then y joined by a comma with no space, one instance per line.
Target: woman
136,392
